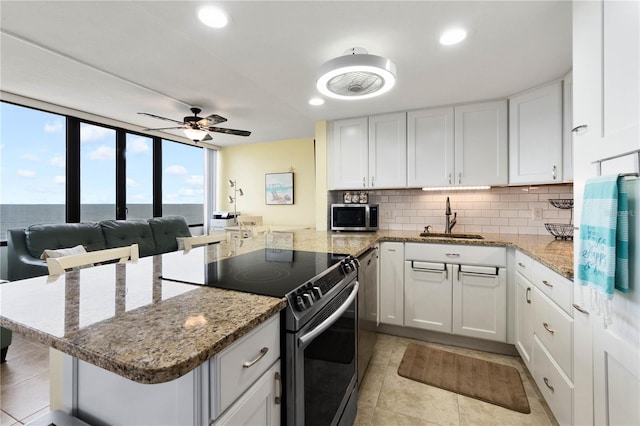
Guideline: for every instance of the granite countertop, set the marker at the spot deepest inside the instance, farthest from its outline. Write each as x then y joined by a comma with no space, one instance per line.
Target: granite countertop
127,320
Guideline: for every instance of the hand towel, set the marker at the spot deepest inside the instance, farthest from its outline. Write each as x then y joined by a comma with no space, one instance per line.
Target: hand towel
603,240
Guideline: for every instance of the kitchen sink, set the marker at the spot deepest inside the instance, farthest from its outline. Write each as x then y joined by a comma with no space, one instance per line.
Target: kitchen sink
452,235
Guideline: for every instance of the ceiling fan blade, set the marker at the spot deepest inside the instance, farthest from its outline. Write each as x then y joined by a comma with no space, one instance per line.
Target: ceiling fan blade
166,128
211,120
161,118
229,131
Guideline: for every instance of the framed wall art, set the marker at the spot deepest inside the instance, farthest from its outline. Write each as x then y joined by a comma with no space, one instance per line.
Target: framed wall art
278,188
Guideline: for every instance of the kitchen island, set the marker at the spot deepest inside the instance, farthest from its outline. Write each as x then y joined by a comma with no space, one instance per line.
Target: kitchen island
127,320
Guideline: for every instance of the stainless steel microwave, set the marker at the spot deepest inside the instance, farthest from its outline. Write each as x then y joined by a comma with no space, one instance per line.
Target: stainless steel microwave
354,217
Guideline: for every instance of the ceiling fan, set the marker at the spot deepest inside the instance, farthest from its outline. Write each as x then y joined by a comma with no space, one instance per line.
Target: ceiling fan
197,128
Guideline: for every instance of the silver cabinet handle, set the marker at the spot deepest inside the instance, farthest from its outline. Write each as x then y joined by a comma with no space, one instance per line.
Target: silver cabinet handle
372,181
449,178
460,177
364,181
452,254
278,398
522,265
527,295
549,329
553,173
579,129
546,382
263,352
580,309
547,283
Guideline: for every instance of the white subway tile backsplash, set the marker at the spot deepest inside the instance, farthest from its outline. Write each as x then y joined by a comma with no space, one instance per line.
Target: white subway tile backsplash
506,210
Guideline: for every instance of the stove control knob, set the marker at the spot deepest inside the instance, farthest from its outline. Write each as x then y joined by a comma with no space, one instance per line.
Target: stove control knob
300,303
317,292
308,298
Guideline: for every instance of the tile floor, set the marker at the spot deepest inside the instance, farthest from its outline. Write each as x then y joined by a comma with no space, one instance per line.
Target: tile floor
24,382
385,397
388,399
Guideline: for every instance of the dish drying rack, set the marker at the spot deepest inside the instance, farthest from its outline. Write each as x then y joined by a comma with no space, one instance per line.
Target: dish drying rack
562,231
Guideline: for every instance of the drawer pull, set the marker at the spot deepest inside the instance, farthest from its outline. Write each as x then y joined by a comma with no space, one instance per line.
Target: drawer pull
546,382
579,130
528,295
278,398
580,309
549,329
547,283
263,352
522,265
452,254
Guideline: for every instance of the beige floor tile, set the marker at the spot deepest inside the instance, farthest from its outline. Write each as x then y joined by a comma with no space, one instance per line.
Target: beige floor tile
364,416
22,367
474,412
418,400
36,415
27,397
382,417
369,391
7,420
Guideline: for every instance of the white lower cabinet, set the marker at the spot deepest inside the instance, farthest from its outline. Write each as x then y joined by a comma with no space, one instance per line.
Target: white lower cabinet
391,283
467,298
556,388
480,302
524,319
240,385
427,296
259,405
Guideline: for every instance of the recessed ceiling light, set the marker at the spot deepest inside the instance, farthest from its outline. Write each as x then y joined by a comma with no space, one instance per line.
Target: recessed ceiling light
453,36
316,101
213,17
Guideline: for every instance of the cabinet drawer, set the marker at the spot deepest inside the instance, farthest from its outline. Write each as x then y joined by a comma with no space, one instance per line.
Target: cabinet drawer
457,254
524,265
554,386
555,286
233,370
554,328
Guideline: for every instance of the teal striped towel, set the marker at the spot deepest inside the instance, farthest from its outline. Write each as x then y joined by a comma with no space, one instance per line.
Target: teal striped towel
603,261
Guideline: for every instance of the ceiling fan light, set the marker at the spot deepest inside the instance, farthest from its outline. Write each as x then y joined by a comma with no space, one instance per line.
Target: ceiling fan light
356,76
195,135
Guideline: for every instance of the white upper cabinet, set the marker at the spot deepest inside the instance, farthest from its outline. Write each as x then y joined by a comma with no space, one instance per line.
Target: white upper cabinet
388,151
567,134
481,144
462,145
535,136
348,154
368,152
430,147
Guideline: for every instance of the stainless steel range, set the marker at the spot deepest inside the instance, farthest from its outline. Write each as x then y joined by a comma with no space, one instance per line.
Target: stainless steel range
319,325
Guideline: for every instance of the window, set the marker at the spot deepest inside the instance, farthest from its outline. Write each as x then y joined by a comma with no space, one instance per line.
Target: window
32,172
139,177
97,173
183,181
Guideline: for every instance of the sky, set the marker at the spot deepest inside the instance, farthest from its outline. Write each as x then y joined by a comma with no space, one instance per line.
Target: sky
32,163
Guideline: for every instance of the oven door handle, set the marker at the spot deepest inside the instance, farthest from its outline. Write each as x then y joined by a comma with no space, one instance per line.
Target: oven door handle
324,325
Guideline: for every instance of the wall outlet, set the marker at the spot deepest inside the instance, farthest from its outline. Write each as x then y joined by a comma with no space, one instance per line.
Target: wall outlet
537,213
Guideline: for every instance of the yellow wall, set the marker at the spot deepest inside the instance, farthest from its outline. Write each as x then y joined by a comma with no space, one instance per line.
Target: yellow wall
248,164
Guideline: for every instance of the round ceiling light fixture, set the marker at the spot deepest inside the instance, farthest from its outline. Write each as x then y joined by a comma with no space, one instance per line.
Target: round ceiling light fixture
453,36
356,75
213,17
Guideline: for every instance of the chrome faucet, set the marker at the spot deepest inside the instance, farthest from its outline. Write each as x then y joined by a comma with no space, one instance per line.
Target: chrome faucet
450,223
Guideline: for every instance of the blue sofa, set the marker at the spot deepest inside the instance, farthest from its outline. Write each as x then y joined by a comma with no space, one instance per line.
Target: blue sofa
24,246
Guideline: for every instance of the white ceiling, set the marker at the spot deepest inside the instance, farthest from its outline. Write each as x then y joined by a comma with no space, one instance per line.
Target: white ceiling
117,58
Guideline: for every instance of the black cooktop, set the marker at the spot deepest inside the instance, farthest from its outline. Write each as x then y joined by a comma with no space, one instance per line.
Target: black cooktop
269,272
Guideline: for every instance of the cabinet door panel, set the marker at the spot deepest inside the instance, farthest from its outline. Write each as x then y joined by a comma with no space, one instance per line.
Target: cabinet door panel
430,147
392,283
428,297
480,305
348,154
388,151
481,148
535,136
524,319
